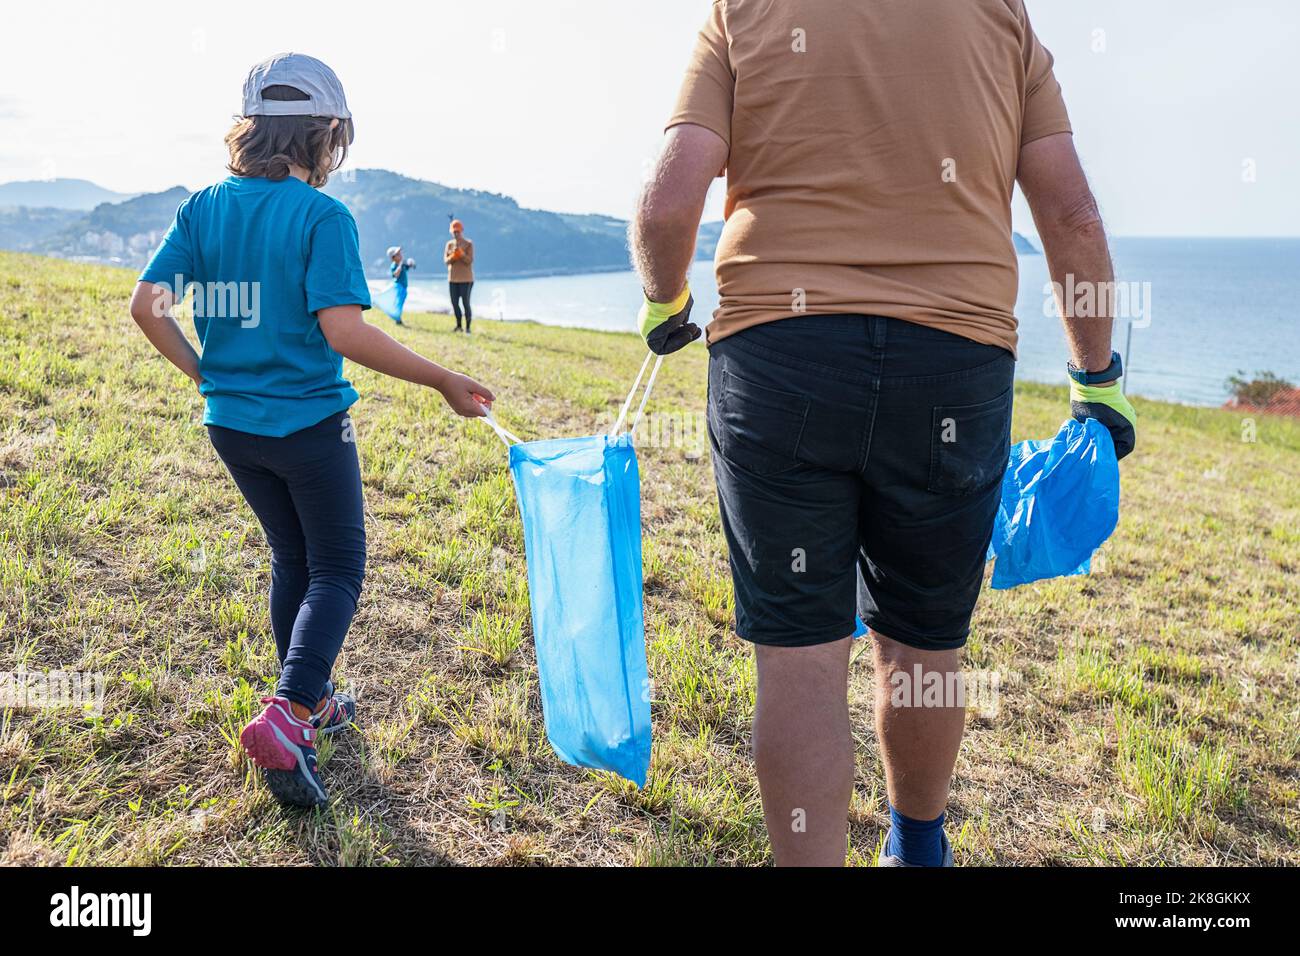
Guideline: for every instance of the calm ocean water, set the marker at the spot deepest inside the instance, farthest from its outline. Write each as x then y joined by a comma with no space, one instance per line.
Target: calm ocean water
1212,307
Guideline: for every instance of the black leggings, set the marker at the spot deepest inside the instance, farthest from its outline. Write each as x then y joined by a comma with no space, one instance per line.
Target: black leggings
460,294
305,489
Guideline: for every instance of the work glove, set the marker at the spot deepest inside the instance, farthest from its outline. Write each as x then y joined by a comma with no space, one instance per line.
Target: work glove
1108,404
666,326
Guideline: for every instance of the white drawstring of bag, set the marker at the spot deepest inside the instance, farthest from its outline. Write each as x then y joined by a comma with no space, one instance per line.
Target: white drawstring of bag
645,396
508,438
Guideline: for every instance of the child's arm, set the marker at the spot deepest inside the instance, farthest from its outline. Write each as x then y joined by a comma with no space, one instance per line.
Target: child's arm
352,337
151,307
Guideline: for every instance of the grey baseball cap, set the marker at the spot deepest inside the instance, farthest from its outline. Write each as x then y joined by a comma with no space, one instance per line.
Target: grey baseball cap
302,72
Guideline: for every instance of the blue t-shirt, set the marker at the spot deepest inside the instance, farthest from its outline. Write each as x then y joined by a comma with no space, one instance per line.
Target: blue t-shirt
263,258
398,276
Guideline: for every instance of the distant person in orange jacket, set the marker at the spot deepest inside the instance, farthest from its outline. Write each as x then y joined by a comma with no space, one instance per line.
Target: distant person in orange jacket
459,256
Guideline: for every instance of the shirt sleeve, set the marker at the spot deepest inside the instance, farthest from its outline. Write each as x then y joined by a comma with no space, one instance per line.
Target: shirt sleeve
1045,111
469,252
709,88
172,265
334,272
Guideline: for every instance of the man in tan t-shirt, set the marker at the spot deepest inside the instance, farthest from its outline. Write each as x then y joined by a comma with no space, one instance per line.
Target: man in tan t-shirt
861,359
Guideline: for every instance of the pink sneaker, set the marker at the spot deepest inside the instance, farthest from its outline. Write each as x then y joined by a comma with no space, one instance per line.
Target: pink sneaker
284,747
339,712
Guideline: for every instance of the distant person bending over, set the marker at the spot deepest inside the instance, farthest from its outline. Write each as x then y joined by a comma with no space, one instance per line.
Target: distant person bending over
861,360
459,256
279,291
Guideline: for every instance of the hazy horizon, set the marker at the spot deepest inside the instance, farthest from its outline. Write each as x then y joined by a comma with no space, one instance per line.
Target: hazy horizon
1175,105
1024,230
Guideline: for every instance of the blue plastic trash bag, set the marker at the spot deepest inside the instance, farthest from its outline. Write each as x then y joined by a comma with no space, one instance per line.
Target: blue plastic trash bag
1060,502
580,502
390,300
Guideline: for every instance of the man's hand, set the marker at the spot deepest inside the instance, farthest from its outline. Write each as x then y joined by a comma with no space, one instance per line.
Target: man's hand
666,326
465,396
1111,407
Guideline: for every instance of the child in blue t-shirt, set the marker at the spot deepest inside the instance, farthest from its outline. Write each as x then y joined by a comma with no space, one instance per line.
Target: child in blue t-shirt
397,266
392,299
278,289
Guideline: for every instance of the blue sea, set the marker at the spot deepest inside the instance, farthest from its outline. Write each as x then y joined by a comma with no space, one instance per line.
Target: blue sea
1200,310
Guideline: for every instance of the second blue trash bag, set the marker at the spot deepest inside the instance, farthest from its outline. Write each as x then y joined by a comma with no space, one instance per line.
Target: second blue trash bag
580,502
390,300
1060,502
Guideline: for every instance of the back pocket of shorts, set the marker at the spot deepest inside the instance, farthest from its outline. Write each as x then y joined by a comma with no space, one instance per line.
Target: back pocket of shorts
969,445
758,427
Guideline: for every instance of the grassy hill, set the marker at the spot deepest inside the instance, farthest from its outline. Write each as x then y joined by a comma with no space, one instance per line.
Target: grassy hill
1148,713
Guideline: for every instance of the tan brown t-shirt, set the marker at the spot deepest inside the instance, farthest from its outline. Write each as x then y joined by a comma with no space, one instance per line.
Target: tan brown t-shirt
873,148
459,269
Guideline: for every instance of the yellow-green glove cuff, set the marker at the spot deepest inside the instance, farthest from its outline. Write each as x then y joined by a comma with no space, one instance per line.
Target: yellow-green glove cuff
1109,395
654,314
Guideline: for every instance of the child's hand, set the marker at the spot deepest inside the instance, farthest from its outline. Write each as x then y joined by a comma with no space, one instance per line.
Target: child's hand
466,396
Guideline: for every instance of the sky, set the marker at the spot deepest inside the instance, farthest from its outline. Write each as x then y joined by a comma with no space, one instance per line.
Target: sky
1186,112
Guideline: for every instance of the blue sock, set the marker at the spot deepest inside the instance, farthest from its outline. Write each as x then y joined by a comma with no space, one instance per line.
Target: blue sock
915,842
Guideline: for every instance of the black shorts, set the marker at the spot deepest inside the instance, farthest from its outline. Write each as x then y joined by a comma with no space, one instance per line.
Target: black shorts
857,457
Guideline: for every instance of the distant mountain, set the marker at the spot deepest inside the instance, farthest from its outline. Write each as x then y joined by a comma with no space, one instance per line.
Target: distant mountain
706,240
58,194
122,233
23,228
509,240
604,225
390,209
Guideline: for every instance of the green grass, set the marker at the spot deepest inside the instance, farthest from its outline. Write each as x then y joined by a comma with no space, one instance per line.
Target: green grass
1148,712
